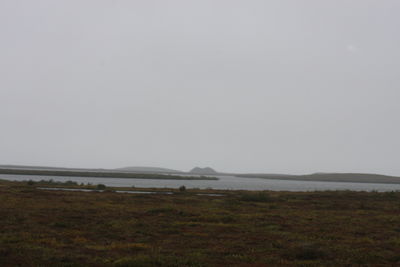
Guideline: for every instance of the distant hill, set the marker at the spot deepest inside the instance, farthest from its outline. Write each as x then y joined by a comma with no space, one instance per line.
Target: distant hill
148,169
203,171
27,167
323,177
330,177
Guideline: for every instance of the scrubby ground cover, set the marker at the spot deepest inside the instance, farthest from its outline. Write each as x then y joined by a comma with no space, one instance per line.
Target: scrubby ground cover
60,228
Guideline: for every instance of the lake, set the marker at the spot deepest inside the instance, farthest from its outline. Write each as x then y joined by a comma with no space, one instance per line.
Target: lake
224,182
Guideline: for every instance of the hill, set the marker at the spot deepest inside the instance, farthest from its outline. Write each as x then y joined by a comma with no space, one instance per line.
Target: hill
330,177
28,167
148,169
203,171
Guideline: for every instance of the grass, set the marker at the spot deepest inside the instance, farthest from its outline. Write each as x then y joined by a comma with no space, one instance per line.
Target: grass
333,228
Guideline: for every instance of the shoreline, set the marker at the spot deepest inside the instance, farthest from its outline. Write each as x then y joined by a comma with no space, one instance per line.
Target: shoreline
109,175
330,178
324,181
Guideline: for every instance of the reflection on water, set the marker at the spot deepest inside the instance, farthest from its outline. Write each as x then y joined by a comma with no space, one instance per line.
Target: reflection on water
120,191
224,182
95,190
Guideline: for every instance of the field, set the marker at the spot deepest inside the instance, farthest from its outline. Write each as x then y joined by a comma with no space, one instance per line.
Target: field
335,228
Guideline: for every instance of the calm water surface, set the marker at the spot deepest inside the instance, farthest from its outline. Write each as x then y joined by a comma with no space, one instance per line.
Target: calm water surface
224,182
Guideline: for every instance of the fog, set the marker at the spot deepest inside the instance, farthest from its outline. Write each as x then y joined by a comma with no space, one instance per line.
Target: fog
283,86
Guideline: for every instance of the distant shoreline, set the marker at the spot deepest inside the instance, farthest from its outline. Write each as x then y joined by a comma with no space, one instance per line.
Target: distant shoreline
97,174
146,173
329,177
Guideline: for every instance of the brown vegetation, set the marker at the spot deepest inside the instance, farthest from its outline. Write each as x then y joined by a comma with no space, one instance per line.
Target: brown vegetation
59,228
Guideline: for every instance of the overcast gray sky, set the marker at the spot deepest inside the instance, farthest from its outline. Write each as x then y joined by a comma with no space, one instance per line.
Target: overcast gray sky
289,86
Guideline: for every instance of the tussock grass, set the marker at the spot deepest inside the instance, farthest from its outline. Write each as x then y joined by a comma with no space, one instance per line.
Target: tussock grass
64,228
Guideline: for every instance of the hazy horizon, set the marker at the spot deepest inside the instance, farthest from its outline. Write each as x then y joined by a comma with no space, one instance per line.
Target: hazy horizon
158,168
256,86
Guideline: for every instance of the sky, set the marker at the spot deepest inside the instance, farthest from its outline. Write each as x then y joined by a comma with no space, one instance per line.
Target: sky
279,86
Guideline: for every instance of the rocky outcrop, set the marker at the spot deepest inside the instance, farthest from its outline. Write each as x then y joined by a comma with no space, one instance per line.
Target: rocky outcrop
203,171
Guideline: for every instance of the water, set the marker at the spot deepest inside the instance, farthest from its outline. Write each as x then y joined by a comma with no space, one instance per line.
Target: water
224,182
94,190
121,191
